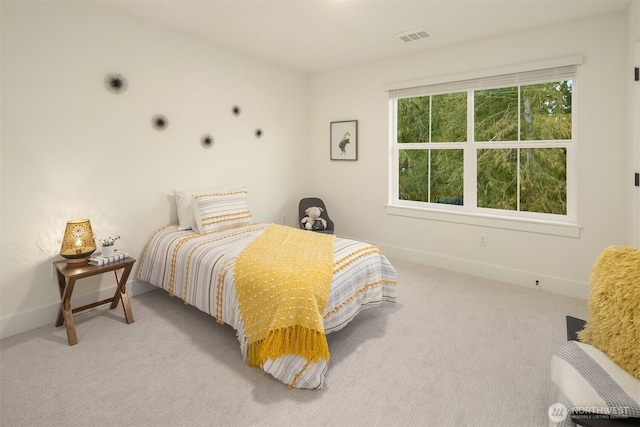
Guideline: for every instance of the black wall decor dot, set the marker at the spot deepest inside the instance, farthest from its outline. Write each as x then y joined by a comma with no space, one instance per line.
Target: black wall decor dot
115,83
159,122
236,110
207,141
258,133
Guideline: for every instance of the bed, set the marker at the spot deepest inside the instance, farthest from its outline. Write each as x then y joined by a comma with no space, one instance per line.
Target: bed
198,262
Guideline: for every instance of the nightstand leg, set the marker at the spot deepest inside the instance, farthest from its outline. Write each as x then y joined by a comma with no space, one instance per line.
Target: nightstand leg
66,313
62,282
121,294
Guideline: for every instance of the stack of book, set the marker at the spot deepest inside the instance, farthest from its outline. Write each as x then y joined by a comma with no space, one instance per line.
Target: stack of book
98,259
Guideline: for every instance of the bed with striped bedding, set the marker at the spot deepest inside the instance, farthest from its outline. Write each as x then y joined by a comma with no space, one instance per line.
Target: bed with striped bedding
199,269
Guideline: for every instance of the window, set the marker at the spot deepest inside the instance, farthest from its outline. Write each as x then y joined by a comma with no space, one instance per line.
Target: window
499,145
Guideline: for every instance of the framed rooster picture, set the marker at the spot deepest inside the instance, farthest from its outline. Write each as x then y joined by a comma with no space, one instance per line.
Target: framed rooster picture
344,140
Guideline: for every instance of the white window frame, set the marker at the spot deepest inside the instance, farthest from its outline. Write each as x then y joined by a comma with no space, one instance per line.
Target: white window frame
469,213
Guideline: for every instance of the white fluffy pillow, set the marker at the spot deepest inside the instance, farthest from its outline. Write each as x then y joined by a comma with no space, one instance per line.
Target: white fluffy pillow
213,211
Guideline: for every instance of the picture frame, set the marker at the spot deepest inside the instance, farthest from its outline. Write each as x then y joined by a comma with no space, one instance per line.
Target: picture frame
343,143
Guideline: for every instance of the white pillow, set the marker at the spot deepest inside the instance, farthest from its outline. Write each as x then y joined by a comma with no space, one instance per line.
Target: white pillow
213,211
184,206
185,209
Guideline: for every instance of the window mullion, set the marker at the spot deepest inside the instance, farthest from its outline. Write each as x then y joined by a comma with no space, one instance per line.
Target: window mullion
518,180
519,152
470,159
429,151
429,176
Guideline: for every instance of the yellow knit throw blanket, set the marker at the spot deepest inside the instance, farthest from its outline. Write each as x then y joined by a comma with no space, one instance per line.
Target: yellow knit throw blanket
283,280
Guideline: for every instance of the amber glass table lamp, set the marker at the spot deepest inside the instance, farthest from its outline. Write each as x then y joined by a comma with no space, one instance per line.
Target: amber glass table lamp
78,241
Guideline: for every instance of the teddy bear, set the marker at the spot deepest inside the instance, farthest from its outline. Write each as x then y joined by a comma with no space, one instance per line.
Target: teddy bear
313,221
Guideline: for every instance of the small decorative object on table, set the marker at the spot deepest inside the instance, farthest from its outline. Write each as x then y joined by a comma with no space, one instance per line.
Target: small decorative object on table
99,259
108,245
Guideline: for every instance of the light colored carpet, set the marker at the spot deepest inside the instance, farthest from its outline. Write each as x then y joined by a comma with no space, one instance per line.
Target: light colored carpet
455,350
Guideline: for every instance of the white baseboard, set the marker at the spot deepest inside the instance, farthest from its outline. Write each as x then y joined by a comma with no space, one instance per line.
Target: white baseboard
45,315
556,285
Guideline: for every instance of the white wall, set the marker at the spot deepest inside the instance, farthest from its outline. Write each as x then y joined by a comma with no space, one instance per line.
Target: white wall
634,116
72,149
356,192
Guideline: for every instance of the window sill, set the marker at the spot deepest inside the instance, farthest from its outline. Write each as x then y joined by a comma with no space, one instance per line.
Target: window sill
528,225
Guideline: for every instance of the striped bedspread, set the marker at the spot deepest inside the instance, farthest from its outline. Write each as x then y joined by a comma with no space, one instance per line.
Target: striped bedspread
589,384
199,269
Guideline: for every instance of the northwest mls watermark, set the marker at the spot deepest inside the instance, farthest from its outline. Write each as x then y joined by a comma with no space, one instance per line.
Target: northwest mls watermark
559,412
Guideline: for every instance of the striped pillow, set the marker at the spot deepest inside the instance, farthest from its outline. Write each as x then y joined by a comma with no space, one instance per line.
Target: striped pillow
213,211
184,206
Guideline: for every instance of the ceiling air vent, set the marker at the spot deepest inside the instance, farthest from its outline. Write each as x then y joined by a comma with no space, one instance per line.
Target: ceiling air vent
413,35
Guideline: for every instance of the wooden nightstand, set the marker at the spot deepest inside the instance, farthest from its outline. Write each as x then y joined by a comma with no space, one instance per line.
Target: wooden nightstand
67,276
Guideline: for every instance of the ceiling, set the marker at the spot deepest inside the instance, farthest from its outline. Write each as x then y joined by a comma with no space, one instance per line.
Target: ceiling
320,35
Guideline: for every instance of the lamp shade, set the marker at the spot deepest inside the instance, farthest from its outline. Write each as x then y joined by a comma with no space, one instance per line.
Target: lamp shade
78,241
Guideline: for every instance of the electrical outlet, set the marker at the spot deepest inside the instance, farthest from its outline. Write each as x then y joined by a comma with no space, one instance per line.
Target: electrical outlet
483,240
284,219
